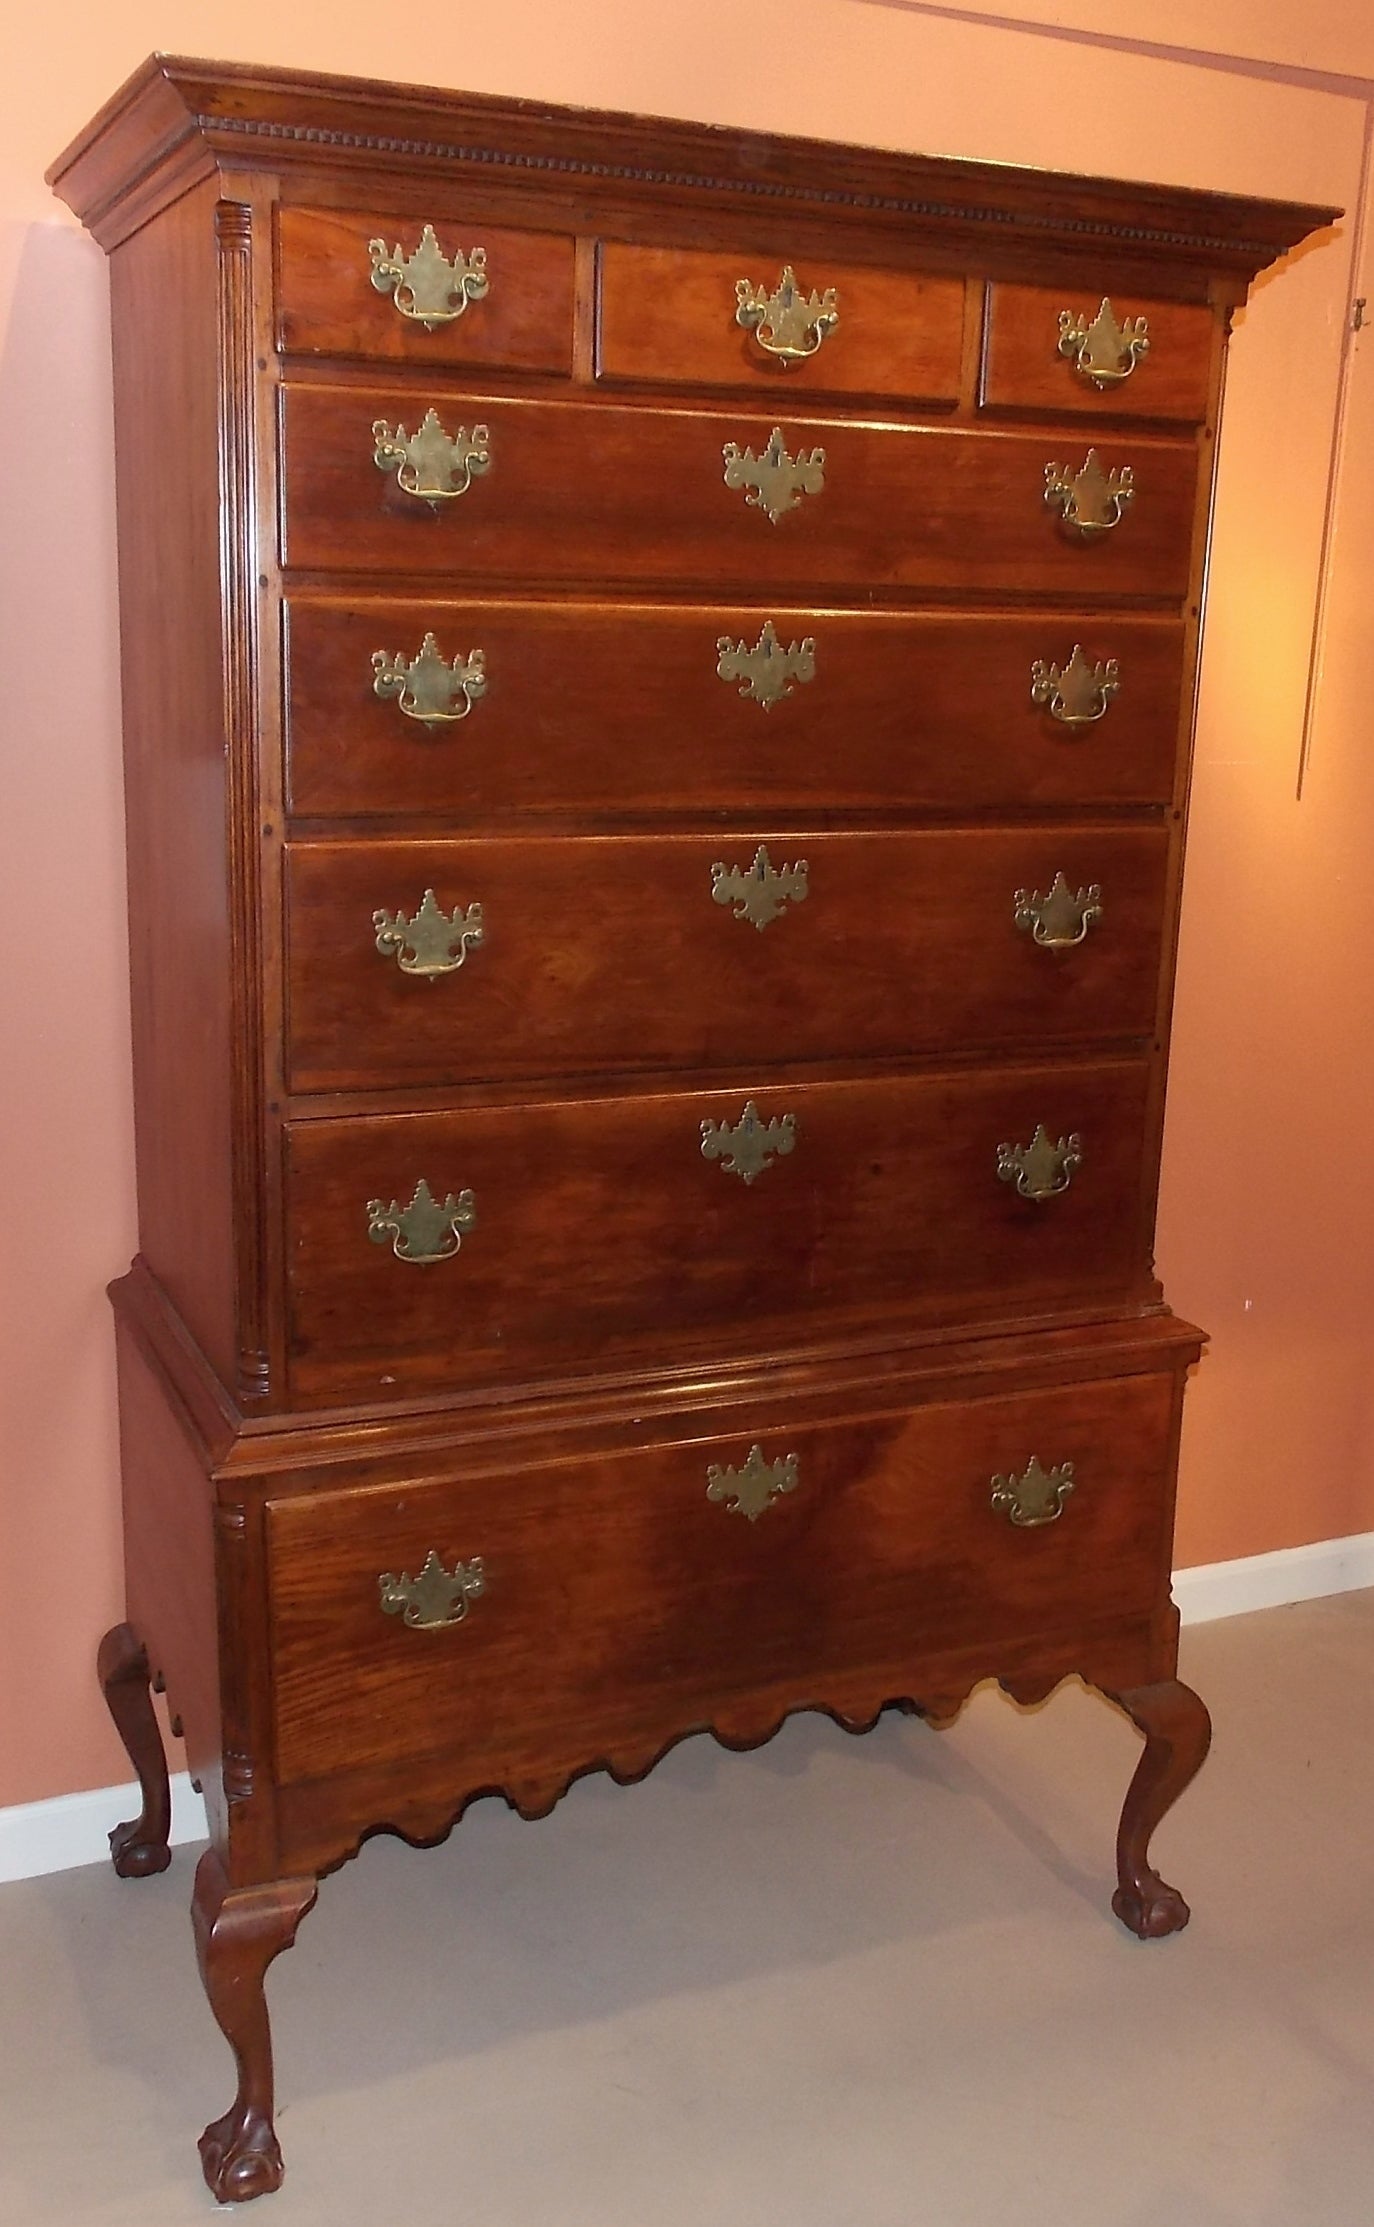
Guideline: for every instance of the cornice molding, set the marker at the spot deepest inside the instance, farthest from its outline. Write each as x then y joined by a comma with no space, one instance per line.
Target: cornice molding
772,189
242,117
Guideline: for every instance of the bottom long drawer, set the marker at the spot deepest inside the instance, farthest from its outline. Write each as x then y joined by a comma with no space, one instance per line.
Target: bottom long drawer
516,1629
560,1235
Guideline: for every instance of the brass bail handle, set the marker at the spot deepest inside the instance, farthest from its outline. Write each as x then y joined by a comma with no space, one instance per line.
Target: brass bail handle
1061,919
1076,694
428,1230
1041,1169
1035,1497
431,464
1103,349
428,287
1091,500
428,687
788,325
430,942
436,1598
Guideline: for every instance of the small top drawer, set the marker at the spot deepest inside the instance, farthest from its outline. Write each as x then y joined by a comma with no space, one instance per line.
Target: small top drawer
350,283
1058,348
688,318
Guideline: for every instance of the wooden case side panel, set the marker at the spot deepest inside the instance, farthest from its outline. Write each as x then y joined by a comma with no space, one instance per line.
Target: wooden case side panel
164,304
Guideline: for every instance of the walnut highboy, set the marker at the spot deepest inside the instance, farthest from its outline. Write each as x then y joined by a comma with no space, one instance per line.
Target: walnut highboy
657,672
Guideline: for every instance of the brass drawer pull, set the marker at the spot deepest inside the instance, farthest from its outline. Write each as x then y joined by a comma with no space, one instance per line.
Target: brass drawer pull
1062,919
1036,1497
748,1491
787,324
759,892
767,672
1040,1170
426,1230
427,687
425,285
749,1147
432,942
1090,500
434,1599
1076,694
1101,350
778,480
432,465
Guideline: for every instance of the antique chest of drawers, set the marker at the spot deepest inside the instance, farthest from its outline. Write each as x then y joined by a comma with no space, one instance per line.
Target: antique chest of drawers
658,671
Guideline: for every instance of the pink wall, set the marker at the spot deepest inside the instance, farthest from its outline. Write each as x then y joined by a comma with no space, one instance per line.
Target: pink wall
1267,1230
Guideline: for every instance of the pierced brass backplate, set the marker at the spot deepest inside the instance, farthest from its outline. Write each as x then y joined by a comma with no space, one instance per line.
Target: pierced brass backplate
759,893
1101,350
750,1146
1040,1170
1089,500
427,286
767,672
431,464
786,323
426,1230
427,687
434,1599
751,1489
432,942
778,481
1077,694
1061,919
1036,1497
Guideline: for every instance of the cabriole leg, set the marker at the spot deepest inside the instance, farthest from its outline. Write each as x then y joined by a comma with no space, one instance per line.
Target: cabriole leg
238,1932
1178,1733
142,1846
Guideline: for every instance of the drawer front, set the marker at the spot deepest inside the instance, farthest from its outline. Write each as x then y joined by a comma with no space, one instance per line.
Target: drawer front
712,951
670,315
1033,360
599,1229
581,491
508,306
619,1600
599,709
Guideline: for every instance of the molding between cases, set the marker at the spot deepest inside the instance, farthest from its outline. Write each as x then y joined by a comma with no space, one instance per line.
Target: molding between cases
71,1829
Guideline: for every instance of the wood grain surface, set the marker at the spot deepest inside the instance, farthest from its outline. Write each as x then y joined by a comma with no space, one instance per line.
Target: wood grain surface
578,492
603,710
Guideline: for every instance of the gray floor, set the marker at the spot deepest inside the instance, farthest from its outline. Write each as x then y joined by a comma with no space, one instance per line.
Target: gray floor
834,1983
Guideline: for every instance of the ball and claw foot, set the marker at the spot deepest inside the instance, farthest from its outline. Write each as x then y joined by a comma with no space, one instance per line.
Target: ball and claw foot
1151,1909
136,1856
238,1931
143,1846
240,2157
1178,1733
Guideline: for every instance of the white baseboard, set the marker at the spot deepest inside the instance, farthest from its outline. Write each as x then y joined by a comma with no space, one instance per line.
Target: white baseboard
72,1829
59,1835
1273,1580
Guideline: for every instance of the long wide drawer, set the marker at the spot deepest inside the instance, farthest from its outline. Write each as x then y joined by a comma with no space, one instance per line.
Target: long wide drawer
630,1597
426,963
426,1251
591,491
604,708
